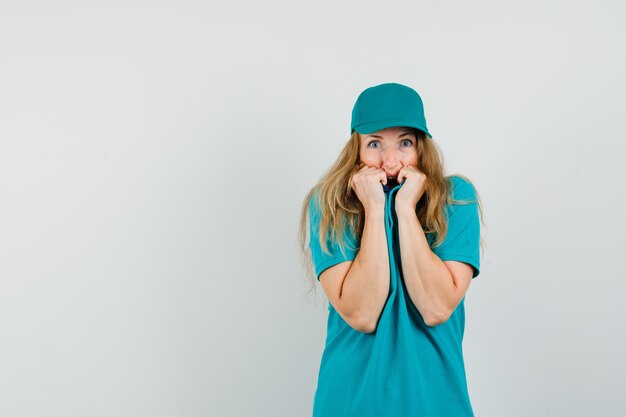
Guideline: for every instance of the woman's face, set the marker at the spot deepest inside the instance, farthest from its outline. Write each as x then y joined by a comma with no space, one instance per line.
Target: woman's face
389,149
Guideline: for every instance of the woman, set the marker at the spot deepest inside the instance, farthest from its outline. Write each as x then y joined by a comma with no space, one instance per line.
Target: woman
400,248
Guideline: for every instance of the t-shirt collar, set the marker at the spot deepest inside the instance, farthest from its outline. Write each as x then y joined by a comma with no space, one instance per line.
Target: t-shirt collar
397,187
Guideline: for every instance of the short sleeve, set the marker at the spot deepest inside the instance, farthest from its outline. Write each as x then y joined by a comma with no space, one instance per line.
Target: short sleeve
462,241
322,260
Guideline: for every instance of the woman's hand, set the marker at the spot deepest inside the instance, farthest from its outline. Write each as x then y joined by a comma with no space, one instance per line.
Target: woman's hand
366,183
413,188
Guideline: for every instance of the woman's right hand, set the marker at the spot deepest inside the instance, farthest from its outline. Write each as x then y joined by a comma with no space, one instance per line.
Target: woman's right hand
366,183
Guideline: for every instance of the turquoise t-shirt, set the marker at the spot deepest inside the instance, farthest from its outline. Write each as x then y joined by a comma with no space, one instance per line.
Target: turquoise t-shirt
404,368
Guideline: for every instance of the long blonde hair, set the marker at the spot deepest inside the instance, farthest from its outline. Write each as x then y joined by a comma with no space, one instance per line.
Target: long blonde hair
341,209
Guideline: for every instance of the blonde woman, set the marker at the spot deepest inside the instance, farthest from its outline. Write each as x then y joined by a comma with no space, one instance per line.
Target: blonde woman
395,244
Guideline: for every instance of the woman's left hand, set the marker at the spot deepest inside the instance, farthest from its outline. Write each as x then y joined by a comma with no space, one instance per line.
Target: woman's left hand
412,189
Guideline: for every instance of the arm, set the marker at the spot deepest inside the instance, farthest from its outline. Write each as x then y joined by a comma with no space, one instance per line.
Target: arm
435,287
365,288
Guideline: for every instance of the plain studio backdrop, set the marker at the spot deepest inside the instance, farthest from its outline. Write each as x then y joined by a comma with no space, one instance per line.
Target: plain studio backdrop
154,157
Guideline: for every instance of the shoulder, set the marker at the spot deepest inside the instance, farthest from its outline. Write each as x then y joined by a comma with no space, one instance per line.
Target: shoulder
461,188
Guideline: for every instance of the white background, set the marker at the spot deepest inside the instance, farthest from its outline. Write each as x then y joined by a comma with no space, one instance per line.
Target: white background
154,157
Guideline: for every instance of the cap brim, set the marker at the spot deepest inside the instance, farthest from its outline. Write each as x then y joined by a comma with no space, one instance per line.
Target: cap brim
377,125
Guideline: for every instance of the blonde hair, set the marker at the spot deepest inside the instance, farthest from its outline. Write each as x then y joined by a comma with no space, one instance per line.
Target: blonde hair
340,209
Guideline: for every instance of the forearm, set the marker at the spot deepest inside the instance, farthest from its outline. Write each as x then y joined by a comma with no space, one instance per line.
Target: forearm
428,281
366,286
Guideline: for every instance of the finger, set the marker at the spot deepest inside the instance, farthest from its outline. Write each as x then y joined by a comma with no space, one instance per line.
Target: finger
401,175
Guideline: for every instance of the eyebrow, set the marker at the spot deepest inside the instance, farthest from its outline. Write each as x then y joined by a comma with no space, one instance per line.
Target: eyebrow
380,137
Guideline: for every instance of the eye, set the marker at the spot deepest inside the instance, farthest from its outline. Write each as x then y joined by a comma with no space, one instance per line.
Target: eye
369,145
410,142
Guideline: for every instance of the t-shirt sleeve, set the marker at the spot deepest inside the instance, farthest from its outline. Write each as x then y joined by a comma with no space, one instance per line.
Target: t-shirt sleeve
322,260
462,241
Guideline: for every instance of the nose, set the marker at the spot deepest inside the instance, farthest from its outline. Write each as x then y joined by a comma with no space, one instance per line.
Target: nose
391,161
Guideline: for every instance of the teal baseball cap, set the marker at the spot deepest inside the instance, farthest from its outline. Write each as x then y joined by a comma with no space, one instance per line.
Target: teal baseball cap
388,105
